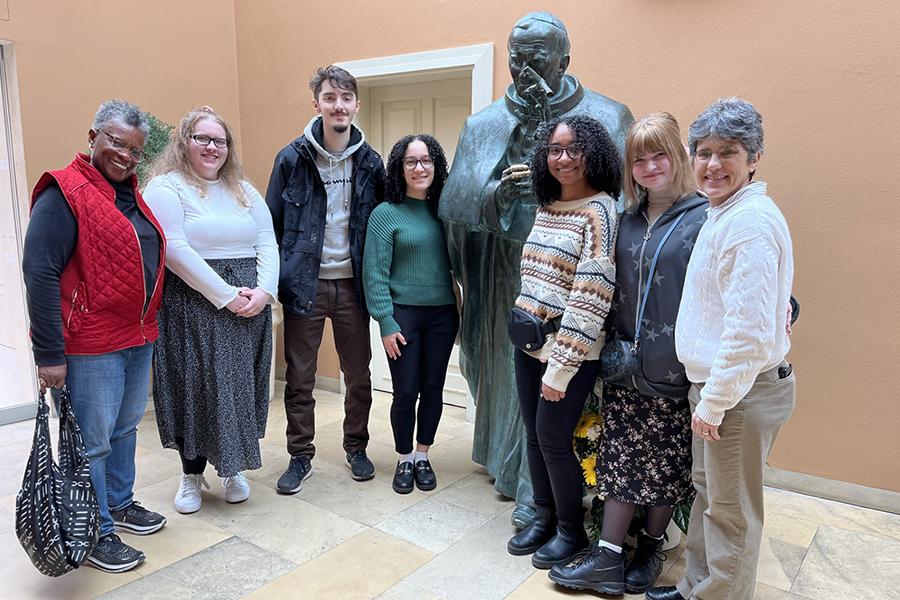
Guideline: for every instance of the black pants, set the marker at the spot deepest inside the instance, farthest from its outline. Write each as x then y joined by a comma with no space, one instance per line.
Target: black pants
420,372
549,426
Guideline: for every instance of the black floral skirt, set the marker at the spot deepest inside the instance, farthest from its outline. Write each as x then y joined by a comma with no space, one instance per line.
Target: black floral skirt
645,448
211,372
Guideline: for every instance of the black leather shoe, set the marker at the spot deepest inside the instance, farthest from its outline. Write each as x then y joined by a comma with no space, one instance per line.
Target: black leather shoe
669,592
403,478
569,540
598,569
645,565
425,478
535,535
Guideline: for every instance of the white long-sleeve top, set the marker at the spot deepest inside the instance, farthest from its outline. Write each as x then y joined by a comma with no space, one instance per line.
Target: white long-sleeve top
212,226
733,314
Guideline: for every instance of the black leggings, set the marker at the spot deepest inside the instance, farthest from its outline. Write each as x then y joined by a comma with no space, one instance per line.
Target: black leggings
555,473
420,371
190,466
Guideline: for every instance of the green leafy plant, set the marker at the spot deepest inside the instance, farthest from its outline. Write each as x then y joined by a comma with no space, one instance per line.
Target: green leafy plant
160,132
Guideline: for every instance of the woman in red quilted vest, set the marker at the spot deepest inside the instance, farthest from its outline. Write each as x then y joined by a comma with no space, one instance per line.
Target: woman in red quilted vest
93,266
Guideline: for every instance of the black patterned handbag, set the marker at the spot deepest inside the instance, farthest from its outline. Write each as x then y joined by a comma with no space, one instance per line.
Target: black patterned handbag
57,516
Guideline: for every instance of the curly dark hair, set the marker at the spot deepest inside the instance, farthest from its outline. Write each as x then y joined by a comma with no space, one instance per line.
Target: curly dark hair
603,161
395,183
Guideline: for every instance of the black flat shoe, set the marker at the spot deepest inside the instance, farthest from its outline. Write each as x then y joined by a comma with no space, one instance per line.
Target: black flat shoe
669,592
403,478
424,475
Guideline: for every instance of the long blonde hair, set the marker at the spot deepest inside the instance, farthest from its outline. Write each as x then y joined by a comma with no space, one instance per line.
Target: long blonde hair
657,132
175,156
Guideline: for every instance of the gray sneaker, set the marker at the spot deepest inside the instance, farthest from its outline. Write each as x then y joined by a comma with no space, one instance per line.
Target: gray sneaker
112,555
136,519
361,468
298,471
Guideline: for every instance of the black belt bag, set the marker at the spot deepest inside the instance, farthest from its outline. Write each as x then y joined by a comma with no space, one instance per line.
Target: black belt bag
527,332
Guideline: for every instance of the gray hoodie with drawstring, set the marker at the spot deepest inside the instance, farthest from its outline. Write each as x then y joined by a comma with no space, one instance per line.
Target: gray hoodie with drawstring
336,171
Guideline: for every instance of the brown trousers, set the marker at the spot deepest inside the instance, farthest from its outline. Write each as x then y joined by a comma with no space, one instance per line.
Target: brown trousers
336,300
725,531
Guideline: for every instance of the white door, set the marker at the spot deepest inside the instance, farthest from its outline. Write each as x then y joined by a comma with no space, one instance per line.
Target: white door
438,108
17,372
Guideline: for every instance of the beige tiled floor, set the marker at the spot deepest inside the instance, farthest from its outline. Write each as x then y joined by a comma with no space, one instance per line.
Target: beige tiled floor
346,540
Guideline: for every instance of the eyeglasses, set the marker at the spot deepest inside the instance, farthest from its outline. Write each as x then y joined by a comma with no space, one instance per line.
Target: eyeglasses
204,140
574,151
726,153
410,163
119,144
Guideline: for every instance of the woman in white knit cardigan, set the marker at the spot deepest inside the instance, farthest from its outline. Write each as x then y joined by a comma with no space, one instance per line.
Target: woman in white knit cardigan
731,338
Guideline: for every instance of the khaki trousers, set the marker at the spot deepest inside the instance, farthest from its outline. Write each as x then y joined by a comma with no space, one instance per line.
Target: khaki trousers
725,530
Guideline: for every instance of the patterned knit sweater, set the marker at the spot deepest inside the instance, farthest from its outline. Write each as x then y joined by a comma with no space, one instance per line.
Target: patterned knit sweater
568,269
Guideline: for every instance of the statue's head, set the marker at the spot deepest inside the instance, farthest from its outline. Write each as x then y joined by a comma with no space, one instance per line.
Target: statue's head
538,40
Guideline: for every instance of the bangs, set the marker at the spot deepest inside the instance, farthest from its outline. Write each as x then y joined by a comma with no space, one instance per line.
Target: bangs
645,139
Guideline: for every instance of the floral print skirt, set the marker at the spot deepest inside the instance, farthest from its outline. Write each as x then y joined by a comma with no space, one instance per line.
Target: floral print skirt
645,448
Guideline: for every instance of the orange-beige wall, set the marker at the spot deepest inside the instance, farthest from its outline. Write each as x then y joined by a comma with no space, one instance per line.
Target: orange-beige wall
825,77
167,57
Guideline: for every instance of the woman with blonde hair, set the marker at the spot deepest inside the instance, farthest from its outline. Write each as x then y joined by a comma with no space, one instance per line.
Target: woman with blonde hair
211,366
645,456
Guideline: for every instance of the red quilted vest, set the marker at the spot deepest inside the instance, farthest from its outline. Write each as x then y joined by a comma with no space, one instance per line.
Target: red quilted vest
102,287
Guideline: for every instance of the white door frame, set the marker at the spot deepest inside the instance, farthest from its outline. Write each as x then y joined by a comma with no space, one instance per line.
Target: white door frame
480,57
11,120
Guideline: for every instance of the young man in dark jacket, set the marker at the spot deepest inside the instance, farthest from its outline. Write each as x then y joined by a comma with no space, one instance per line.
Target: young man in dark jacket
323,187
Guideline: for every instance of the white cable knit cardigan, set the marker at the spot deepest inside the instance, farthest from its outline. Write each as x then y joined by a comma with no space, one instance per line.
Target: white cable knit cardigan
732,318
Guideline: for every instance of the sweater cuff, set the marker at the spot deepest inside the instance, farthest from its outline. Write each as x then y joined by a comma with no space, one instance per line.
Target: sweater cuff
49,359
557,377
388,326
709,414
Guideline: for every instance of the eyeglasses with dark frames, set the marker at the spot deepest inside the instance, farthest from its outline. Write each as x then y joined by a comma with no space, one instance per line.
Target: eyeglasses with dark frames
410,163
204,140
574,151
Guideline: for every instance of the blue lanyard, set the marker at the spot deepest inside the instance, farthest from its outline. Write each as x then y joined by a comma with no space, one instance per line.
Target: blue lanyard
640,317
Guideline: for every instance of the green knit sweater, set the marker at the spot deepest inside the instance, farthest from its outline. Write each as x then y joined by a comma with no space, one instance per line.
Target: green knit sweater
405,261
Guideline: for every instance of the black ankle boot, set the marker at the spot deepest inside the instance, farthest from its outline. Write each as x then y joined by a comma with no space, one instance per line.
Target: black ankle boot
645,565
535,535
600,569
570,538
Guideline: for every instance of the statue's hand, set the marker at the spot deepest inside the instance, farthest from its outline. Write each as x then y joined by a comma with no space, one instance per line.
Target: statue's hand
515,182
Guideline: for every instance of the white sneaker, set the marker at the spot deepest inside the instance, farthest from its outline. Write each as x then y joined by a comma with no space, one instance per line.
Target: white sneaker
236,488
188,499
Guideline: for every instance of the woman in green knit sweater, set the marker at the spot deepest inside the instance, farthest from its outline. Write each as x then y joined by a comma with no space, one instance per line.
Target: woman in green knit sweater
409,291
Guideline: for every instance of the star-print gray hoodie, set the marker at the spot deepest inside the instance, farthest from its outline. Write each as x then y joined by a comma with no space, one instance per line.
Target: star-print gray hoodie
660,373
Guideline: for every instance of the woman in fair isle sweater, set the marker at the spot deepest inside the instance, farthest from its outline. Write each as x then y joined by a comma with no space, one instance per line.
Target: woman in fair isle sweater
409,291
568,271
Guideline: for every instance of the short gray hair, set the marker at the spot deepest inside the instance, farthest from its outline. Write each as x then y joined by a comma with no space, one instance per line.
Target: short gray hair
122,112
729,119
